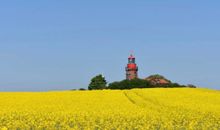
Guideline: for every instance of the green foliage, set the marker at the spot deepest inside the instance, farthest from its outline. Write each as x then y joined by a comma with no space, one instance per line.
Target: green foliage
129,84
170,85
191,86
82,89
153,81
98,82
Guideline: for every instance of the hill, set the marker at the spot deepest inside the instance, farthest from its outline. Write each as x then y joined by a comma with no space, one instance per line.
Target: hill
159,108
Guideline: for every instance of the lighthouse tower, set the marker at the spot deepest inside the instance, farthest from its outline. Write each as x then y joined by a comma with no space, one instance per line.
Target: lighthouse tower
131,69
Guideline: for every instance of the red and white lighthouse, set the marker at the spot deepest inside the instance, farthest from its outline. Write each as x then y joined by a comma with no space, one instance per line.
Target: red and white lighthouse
131,69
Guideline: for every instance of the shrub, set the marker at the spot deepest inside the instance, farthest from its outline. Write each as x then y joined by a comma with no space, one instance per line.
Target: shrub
129,84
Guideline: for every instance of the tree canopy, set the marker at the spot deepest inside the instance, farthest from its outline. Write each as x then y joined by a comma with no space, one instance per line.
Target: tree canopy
97,82
153,81
129,84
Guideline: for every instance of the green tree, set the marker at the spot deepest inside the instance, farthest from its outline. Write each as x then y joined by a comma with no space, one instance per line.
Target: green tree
97,82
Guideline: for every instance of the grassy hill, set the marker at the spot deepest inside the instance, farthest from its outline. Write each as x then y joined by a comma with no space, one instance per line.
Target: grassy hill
177,108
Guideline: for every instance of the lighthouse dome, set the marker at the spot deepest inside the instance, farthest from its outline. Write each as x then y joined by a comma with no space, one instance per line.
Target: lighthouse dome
131,57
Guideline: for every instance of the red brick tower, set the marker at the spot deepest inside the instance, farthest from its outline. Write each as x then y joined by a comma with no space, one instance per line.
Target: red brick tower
131,69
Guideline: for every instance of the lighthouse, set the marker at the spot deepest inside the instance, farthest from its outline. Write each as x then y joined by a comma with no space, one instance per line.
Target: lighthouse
131,68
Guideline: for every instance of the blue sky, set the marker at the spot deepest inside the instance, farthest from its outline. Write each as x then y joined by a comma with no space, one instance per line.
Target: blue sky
58,45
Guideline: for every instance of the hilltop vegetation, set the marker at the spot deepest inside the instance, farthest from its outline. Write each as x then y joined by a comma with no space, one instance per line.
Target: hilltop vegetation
135,109
153,81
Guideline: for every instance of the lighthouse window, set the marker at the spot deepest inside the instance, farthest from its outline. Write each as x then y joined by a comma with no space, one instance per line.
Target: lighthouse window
131,60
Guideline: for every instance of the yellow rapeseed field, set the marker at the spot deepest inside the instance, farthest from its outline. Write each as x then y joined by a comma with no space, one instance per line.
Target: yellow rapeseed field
137,109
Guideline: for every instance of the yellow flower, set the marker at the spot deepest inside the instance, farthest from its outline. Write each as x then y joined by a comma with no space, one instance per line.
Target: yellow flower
137,109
